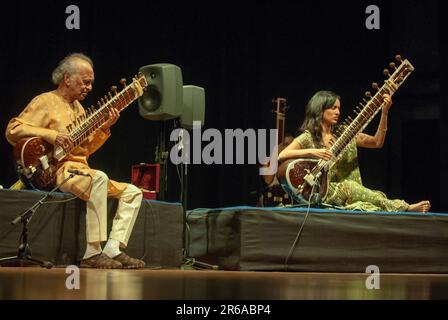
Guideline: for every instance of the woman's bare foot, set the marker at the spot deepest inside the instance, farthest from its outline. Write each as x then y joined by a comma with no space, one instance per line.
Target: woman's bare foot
422,206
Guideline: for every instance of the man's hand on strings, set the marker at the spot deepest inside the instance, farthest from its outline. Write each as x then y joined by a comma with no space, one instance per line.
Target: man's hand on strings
113,118
64,141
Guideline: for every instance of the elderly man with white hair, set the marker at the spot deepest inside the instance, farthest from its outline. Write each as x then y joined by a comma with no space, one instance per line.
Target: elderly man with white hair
49,116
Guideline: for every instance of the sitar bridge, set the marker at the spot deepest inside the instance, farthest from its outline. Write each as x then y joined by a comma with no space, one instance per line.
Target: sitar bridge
310,179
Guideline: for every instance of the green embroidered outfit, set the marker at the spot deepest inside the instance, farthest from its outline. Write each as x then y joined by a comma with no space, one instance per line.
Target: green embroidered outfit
345,188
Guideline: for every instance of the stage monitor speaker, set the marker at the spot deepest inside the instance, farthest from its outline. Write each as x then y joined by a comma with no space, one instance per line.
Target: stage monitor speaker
162,99
193,106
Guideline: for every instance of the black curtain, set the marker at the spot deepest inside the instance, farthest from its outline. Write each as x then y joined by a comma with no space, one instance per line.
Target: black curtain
244,53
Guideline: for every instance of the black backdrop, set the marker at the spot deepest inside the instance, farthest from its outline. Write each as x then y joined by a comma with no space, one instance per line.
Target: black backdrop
244,53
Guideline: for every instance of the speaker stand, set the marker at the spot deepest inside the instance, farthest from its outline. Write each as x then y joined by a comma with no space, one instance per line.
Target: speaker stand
161,156
188,262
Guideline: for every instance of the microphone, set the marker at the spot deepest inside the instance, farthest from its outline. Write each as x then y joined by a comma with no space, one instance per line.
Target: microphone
77,172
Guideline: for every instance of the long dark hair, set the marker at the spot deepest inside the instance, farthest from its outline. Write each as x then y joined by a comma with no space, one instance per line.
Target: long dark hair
316,106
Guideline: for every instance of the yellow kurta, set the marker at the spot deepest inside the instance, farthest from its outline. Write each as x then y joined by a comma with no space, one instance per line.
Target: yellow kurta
49,114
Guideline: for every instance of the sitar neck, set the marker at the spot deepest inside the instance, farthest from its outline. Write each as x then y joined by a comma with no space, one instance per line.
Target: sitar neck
373,105
280,118
94,119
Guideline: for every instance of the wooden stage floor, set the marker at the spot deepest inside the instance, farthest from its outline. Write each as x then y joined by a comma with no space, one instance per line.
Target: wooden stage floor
35,283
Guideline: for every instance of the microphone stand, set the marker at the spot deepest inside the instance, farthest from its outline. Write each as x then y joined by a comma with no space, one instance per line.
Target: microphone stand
317,199
23,257
184,193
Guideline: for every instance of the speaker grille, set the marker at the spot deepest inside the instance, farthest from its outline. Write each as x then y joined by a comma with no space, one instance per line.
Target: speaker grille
163,97
151,99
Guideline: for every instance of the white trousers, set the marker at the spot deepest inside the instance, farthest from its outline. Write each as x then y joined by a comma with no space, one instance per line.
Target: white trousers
129,202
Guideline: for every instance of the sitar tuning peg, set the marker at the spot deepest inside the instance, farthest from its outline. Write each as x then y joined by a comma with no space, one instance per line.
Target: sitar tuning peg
392,66
386,72
398,58
123,82
375,86
368,94
114,89
110,95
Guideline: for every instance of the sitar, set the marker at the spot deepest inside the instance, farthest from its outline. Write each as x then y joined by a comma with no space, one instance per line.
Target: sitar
37,160
305,178
274,195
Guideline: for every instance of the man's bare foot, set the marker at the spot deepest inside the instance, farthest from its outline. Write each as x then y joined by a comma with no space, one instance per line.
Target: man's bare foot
422,206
